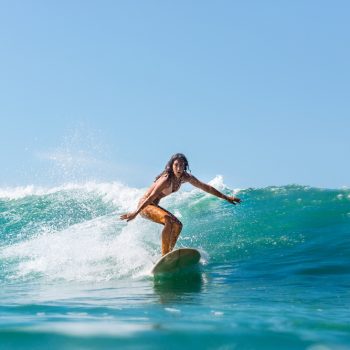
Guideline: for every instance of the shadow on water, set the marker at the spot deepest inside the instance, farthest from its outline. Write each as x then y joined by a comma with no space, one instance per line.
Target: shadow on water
179,286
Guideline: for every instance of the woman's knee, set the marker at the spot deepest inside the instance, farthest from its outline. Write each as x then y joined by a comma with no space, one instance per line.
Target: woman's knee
178,225
173,222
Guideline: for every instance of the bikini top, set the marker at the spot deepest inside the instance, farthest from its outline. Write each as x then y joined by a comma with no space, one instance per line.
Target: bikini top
172,188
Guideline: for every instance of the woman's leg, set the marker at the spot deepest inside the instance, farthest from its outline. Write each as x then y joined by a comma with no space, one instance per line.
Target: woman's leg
172,226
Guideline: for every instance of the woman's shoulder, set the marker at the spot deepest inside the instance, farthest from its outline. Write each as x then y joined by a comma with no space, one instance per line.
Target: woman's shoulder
186,177
163,178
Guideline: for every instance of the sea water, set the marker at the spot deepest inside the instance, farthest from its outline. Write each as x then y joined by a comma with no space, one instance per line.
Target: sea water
274,273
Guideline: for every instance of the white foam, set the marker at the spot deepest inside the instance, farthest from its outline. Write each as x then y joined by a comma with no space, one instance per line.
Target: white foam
111,190
115,192
217,182
172,310
90,328
217,313
96,250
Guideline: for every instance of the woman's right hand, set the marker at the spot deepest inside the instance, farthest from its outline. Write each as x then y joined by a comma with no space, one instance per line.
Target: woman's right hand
233,200
128,216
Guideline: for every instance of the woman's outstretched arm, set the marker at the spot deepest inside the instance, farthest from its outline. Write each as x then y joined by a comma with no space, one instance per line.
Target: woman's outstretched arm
210,189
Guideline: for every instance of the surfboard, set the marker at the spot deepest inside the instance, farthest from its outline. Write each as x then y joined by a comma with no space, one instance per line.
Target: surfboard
176,260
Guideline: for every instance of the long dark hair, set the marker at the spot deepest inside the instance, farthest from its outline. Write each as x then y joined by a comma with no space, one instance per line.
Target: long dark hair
169,166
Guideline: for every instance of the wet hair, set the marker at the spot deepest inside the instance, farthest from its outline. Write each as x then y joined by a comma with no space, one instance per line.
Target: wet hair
169,166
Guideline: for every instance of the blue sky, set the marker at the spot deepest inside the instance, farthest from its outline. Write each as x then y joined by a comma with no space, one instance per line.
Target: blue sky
257,91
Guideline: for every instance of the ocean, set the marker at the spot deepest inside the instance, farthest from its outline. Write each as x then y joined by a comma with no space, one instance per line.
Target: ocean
274,273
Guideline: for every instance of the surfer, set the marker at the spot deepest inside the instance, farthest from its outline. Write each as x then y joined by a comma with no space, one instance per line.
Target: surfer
169,181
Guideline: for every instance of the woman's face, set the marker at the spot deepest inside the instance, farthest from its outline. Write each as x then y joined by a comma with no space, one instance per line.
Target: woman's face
178,167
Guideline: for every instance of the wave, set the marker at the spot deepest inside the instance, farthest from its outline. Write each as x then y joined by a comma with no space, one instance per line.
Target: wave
73,232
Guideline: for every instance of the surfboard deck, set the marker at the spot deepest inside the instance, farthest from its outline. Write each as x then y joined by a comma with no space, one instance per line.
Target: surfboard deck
176,260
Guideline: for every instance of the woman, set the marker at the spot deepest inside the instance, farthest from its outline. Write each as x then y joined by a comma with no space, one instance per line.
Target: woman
167,182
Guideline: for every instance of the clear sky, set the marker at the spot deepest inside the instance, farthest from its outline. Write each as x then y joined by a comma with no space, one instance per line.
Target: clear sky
257,91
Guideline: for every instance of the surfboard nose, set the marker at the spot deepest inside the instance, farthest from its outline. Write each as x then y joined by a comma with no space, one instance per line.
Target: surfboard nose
176,260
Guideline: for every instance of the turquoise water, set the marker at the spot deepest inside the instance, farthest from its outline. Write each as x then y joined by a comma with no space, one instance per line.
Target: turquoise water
274,274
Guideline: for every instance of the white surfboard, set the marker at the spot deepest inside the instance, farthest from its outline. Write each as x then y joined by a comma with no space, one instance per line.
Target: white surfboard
176,260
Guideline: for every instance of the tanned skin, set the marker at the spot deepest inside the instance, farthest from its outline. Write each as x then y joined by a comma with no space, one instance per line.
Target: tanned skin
148,205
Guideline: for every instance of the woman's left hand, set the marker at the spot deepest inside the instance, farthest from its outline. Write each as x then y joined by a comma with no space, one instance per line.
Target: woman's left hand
128,216
233,200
